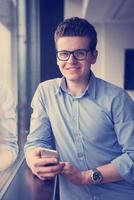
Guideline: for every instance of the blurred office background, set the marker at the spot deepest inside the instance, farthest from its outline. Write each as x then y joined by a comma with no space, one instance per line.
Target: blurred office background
27,52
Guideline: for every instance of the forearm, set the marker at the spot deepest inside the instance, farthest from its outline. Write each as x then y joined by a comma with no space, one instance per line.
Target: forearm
7,157
108,171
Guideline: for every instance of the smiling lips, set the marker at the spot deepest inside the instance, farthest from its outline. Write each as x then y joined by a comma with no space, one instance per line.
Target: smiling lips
72,68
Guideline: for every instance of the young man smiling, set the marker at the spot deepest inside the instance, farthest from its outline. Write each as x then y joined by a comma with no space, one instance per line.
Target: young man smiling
90,121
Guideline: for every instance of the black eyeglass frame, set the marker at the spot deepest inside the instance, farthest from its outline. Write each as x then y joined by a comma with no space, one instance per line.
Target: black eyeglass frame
73,53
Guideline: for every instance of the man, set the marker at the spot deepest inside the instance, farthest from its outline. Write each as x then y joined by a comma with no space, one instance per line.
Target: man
8,129
91,122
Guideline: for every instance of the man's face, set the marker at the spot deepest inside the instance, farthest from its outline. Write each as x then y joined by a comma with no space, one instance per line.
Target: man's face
74,69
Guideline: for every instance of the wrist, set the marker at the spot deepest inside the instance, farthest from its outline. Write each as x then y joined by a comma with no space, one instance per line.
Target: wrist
96,176
86,177
92,177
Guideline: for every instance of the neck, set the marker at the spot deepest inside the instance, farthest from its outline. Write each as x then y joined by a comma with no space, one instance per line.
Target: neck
76,88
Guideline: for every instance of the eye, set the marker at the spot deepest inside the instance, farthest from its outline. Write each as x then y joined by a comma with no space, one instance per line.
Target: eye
80,53
63,54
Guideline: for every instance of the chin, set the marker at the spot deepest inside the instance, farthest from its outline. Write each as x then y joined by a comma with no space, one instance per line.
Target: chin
72,78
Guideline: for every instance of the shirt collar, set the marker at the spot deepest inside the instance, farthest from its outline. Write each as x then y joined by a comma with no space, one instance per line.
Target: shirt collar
92,86
90,90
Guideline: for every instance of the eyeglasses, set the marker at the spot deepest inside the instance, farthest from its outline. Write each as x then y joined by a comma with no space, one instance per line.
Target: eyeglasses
79,54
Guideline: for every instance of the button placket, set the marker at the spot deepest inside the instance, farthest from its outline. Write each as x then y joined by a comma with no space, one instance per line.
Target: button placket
76,131
74,117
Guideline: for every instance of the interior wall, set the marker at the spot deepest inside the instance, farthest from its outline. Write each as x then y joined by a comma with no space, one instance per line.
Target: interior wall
113,39
72,8
8,45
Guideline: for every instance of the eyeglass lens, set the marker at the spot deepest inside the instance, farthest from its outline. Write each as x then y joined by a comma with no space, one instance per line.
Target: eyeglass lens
79,54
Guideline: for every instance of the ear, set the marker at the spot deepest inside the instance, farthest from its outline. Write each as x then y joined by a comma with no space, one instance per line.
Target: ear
94,57
57,61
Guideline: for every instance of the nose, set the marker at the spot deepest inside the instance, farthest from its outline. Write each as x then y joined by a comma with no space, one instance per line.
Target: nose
72,59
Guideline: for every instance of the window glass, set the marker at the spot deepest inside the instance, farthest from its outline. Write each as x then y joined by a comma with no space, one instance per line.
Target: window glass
8,84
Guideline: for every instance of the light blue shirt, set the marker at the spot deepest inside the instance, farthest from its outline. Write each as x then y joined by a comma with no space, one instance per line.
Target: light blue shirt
91,130
8,120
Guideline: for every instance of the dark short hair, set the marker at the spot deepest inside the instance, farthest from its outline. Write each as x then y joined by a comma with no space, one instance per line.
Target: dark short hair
76,26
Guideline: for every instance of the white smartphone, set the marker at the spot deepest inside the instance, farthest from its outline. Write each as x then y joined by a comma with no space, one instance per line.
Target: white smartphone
49,153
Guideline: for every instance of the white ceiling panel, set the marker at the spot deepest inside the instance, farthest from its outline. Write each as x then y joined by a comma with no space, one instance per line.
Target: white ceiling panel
101,11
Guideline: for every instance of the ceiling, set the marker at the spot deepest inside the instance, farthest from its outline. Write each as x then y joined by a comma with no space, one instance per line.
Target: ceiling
101,11
96,11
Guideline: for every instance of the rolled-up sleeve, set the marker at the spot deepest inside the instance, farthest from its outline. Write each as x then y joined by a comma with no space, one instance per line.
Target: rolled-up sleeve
123,116
40,133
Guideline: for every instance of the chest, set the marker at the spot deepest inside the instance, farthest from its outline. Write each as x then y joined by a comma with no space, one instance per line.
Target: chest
82,116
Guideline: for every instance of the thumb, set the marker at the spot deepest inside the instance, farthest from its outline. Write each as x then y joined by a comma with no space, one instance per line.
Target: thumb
37,151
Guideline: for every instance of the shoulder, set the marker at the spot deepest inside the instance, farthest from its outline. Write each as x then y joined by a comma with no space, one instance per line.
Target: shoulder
49,86
109,89
47,89
52,83
111,96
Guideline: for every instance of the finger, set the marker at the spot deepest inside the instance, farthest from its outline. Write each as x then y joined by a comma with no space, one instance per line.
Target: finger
45,178
45,161
67,172
67,167
48,175
37,151
47,169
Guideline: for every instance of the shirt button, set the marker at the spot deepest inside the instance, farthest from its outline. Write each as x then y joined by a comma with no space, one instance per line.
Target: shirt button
81,158
74,118
94,197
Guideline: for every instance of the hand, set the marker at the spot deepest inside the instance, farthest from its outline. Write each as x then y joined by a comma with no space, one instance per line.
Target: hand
73,174
44,168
